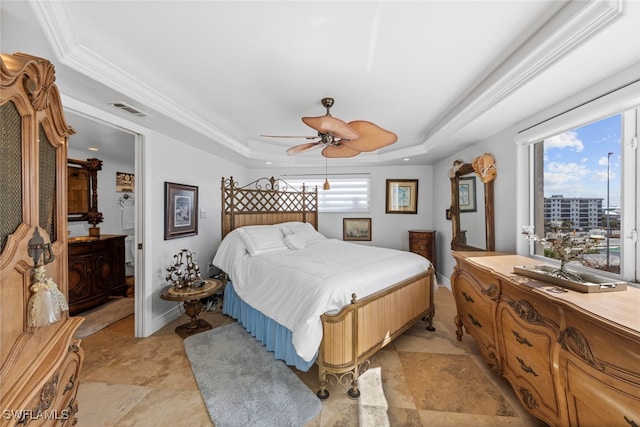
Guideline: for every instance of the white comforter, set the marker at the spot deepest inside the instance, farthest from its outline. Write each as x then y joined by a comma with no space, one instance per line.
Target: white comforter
294,287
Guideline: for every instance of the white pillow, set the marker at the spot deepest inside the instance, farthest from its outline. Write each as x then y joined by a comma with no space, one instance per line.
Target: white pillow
262,238
295,240
311,235
290,227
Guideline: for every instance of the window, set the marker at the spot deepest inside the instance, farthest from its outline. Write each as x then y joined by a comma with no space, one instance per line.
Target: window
348,193
586,186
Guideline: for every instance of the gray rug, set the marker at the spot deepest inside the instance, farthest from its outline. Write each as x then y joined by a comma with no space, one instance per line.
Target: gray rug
243,385
100,317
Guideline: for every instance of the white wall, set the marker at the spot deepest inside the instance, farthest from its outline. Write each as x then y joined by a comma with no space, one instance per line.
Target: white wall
503,149
387,230
169,160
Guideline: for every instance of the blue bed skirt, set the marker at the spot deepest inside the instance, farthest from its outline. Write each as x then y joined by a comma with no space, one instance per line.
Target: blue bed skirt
271,334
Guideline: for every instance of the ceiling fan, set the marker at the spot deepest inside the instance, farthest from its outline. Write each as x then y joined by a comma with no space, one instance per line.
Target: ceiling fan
341,139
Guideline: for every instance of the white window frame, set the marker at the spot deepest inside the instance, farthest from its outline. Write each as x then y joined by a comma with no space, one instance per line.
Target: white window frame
625,101
345,188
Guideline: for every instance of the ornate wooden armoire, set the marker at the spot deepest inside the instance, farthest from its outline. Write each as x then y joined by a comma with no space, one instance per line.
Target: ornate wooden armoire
39,364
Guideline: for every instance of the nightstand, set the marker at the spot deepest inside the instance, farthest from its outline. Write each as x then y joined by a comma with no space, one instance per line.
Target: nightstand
191,303
423,242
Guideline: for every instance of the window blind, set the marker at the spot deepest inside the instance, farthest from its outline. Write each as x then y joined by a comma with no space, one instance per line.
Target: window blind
348,193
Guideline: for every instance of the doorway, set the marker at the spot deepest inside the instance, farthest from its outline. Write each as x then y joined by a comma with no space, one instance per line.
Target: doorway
116,148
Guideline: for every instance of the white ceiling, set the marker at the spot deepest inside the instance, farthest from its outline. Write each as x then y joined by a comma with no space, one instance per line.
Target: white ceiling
440,74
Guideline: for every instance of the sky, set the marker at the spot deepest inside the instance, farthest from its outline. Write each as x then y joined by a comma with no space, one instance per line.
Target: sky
576,161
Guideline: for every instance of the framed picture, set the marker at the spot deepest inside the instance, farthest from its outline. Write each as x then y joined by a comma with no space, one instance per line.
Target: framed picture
402,196
467,194
180,210
125,182
356,229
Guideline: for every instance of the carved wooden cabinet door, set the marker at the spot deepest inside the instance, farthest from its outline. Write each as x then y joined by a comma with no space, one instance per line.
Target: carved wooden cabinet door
34,372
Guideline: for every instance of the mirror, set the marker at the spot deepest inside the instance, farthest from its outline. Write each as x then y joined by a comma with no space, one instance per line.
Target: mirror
471,211
82,190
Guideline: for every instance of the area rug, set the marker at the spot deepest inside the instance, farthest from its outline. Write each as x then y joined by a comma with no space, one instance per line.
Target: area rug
243,385
100,317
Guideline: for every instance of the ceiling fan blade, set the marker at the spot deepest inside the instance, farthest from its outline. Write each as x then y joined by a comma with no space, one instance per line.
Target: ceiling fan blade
290,136
331,125
296,149
339,151
372,136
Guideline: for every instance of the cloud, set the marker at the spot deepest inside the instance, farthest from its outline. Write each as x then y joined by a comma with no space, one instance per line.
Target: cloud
561,173
602,175
564,140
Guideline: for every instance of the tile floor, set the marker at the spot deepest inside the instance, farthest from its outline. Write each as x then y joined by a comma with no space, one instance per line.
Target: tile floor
428,379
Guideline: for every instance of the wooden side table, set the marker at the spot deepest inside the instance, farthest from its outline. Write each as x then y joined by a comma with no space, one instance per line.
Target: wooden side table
423,242
192,306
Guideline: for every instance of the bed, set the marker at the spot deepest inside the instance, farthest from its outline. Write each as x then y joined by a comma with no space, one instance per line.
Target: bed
310,299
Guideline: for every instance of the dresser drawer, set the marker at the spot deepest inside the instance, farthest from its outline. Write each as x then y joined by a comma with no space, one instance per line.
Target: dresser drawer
56,400
476,312
602,386
527,350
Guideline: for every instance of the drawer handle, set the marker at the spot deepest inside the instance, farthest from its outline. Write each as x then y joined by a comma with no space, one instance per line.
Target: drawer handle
474,321
521,340
526,368
467,297
630,422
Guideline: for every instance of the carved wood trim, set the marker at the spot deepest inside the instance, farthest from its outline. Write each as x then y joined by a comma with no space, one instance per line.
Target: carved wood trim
526,312
493,292
575,343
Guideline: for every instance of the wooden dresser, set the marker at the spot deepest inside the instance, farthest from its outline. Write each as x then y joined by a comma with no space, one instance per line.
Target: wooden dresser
423,242
39,365
573,359
96,271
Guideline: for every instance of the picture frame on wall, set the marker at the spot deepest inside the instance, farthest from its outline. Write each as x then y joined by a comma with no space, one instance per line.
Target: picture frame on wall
181,210
402,196
467,194
125,182
356,229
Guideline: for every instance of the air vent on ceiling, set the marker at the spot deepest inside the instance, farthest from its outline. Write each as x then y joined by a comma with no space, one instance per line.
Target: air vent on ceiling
129,109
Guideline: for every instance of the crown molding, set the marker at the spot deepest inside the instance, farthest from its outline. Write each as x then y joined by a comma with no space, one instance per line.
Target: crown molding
573,24
57,25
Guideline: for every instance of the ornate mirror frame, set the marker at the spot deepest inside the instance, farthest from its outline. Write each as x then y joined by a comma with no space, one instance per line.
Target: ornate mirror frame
85,209
485,168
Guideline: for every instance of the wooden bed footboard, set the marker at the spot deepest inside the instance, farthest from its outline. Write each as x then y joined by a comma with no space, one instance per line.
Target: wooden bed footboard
351,336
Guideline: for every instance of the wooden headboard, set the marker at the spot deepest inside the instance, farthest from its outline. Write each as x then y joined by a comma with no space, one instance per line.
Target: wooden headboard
266,201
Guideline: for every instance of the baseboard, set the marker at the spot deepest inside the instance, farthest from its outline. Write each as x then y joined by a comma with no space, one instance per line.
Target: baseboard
165,318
